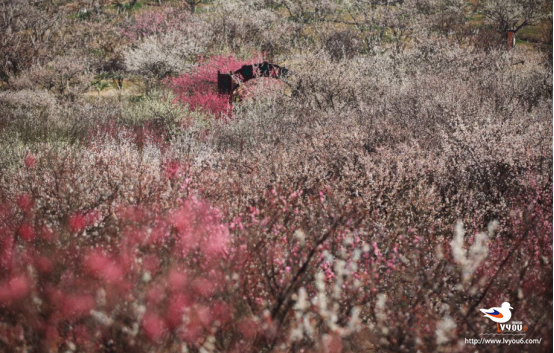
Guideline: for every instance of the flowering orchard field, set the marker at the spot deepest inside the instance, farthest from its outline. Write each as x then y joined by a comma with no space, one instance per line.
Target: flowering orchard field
396,181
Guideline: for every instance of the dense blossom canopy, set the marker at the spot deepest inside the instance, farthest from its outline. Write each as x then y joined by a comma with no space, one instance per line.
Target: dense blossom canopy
396,181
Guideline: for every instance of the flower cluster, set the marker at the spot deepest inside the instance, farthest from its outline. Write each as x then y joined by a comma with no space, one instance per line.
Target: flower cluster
198,89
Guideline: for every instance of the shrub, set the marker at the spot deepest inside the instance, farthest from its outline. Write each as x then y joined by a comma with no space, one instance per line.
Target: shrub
164,55
93,294
29,36
158,112
138,267
65,76
198,89
250,26
170,43
159,21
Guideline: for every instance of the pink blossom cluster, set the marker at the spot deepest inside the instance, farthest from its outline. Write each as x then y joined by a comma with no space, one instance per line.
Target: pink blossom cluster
198,89
168,274
157,21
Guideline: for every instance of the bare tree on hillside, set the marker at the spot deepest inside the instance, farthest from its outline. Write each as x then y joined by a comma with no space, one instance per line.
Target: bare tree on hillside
192,4
514,15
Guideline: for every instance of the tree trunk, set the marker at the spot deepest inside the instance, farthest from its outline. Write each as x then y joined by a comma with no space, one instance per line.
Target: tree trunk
192,5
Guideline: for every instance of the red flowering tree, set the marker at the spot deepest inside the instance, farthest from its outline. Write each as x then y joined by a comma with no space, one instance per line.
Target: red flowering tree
198,89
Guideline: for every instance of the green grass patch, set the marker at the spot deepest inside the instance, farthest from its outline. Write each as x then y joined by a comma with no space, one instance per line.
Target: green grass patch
530,34
81,15
129,7
477,20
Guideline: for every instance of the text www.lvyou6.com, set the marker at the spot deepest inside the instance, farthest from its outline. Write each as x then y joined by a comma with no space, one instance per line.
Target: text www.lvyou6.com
509,341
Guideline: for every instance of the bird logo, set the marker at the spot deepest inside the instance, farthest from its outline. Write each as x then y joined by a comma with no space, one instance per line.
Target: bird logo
499,315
